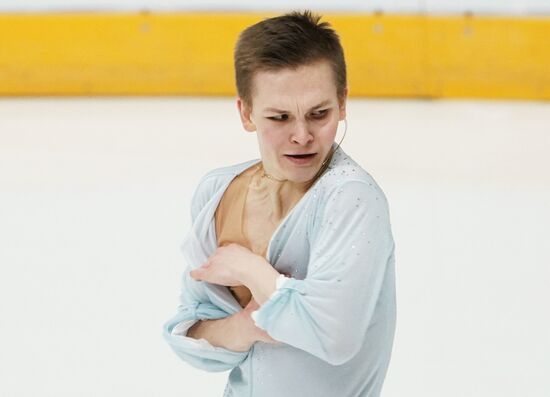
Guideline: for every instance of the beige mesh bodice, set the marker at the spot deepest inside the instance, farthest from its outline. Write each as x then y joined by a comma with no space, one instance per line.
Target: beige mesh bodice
249,212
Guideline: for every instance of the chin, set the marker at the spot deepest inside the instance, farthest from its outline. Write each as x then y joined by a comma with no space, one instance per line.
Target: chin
302,175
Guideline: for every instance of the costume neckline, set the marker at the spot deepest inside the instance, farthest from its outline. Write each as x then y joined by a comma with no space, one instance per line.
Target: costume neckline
242,168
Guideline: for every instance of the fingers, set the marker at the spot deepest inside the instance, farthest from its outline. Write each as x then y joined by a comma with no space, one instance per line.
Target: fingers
264,337
197,273
194,274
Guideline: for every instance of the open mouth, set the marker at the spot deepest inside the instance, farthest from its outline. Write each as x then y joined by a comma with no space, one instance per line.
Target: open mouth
301,156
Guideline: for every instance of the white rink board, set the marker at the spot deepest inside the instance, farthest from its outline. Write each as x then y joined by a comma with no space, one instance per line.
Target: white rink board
520,7
94,202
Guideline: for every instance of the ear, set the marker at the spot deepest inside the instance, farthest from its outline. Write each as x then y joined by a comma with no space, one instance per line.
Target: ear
342,105
244,113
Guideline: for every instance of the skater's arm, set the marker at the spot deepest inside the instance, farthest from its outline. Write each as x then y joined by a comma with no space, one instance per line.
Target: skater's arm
236,332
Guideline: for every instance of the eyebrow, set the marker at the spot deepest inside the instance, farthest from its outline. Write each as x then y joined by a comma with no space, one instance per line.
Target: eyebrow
286,111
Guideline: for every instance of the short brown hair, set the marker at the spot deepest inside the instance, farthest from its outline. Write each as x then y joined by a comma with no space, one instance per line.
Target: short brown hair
287,41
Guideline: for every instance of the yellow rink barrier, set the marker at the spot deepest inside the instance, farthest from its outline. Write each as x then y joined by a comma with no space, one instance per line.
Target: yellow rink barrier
187,53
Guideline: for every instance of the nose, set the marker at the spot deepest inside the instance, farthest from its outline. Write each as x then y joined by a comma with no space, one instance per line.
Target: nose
301,134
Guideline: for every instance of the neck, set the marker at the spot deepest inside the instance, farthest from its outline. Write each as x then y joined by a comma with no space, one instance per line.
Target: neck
278,183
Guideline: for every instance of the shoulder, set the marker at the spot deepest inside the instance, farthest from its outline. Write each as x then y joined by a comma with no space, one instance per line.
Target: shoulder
228,170
212,181
348,198
345,181
215,178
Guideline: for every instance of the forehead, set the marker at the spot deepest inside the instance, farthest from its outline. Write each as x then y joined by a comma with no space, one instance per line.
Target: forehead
306,85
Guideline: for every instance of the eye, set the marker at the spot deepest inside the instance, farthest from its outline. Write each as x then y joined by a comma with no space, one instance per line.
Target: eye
280,117
319,114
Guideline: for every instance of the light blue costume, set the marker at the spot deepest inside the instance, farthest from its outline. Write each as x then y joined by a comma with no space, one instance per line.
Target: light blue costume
335,317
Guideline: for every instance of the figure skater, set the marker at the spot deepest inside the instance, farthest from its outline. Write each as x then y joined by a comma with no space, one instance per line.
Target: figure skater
289,281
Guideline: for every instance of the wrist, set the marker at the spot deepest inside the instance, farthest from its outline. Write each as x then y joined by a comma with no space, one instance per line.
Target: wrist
262,282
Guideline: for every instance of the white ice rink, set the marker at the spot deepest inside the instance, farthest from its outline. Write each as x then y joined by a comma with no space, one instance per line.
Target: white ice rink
94,202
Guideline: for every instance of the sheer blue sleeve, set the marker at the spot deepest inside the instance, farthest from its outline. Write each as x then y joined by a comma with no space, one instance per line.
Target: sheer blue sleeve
196,305
328,312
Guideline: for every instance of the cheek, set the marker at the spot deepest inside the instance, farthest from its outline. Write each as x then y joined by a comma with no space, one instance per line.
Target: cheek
272,136
270,139
327,131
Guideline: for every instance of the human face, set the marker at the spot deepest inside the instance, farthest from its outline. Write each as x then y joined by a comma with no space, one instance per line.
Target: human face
294,111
